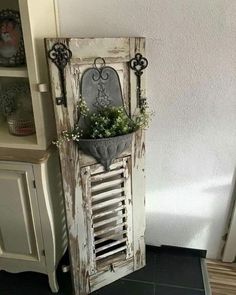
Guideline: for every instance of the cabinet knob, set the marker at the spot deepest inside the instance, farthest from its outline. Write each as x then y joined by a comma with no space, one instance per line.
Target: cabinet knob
43,88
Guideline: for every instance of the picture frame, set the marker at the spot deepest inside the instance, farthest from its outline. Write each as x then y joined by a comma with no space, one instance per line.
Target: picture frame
12,52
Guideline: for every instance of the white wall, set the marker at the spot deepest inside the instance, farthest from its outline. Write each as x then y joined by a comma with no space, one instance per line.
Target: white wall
191,145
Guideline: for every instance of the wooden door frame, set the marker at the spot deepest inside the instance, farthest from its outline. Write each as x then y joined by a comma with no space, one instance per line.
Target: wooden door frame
229,251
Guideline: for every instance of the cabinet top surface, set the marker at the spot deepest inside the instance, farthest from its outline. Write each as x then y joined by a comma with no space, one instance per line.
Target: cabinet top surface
28,156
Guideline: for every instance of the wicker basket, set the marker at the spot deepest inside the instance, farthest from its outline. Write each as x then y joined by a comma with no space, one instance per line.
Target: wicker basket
20,127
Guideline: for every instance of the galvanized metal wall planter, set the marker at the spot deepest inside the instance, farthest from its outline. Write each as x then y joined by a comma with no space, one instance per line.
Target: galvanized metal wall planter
100,88
105,209
105,150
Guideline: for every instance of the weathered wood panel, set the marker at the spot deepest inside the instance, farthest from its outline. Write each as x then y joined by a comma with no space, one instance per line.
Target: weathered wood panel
121,269
88,192
109,212
111,49
76,217
138,165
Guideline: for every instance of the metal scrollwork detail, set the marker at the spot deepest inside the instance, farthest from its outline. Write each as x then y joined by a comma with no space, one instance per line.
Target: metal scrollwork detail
100,87
99,67
102,99
60,55
138,64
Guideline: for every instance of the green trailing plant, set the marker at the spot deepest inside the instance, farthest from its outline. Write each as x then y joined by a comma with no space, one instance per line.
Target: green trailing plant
107,122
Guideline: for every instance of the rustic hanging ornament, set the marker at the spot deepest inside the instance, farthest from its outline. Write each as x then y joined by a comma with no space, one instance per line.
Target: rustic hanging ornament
138,64
100,88
60,55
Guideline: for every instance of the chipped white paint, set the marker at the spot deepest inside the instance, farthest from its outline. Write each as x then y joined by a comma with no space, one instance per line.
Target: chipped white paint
109,216
89,191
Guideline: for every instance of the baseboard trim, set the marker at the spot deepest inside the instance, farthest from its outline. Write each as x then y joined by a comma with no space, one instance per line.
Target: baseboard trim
205,277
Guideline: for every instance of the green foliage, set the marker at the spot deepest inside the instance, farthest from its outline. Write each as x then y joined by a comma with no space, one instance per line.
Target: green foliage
83,108
110,122
74,135
144,116
107,122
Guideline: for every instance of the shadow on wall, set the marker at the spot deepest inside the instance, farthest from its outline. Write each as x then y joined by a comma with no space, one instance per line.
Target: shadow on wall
191,217
178,230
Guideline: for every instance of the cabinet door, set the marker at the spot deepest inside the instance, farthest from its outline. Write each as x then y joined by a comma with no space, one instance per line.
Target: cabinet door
20,234
35,71
94,265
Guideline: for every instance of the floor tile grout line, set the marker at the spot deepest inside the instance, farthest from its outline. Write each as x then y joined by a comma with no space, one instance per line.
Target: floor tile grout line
138,281
164,285
179,287
154,289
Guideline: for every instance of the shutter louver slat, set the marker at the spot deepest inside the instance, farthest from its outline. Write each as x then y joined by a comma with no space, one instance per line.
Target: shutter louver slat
110,253
106,230
104,213
106,185
110,245
108,203
107,194
109,237
98,224
105,175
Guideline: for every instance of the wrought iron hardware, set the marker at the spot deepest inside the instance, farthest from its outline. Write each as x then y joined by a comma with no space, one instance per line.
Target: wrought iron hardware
138,64
112,268
60,55
34,183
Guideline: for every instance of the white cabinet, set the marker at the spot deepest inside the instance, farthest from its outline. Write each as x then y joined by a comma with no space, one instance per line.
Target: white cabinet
21,236
32,223
33,233
38,20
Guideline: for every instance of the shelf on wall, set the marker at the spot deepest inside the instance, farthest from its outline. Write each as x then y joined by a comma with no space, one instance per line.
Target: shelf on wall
11,141
20,72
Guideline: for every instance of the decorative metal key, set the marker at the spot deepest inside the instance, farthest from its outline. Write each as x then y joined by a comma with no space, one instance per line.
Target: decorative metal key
60,55
138,64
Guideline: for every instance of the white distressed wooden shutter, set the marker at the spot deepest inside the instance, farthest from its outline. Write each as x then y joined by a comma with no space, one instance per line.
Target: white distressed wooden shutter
105,210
